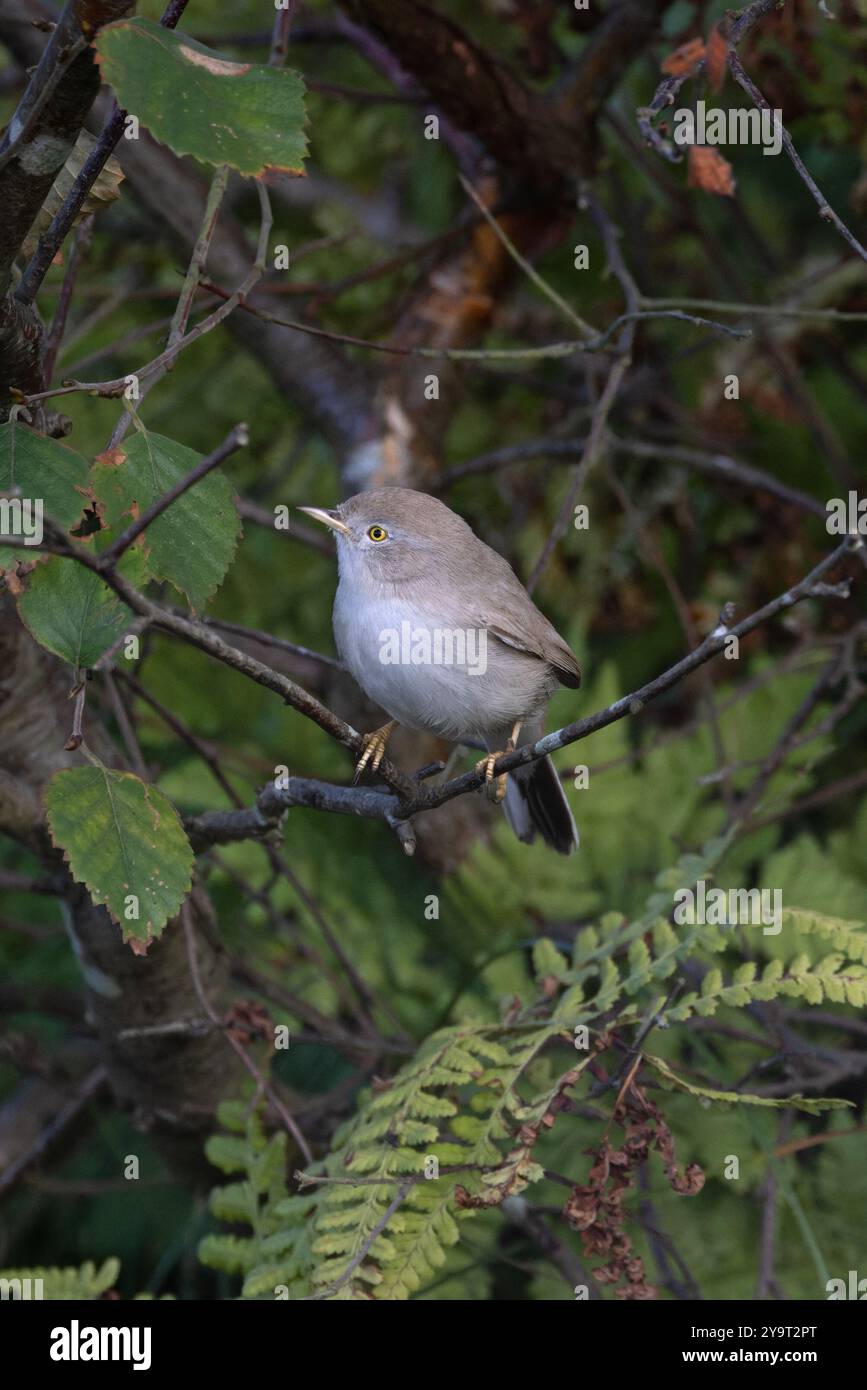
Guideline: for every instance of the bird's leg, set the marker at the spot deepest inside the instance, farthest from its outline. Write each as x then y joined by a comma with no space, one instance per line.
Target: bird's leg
374,748
498,791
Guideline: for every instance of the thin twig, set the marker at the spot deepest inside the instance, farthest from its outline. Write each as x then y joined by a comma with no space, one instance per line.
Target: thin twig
216,193
826,212
280,35
125,724
585,329
237,1047
76,738
178,727
156,369
80,244
774,311
280,643
87,1091
596,435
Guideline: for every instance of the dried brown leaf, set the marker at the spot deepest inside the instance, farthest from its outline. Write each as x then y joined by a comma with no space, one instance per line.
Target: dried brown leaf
709,171
684,59
716,60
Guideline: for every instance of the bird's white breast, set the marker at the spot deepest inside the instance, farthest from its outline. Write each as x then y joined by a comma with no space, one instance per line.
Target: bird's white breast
494,686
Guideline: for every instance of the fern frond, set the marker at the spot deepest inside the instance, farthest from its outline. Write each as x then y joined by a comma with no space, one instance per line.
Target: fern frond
811,1105
275,1259
87,1282
489,1059
832,978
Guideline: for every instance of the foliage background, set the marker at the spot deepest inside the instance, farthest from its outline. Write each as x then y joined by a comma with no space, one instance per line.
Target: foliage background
684,542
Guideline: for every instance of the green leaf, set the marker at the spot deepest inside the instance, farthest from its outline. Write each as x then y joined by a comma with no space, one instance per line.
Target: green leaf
72,612
122,838
242,114
32,466
193,542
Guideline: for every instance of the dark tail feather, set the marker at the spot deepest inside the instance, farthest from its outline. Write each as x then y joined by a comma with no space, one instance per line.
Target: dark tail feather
536,804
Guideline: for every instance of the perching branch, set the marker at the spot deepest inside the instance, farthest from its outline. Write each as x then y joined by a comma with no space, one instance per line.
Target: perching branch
409,797
224,826
202,636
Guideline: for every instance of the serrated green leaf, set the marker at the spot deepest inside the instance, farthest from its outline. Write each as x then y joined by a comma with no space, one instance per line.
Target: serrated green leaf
192,543
35,467
72,612
234,1202
246,115
121,838
638,957
585,943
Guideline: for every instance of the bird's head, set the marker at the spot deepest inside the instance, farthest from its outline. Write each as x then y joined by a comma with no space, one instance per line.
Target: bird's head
392,534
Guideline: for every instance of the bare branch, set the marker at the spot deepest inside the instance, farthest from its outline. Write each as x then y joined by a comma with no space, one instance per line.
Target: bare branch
237,1047
826,212
224,826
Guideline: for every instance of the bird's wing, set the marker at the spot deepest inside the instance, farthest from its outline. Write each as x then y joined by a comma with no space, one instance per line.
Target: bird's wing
555,651
519,624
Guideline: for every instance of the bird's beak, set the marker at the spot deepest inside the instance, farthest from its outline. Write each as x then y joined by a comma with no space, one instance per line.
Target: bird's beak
327,518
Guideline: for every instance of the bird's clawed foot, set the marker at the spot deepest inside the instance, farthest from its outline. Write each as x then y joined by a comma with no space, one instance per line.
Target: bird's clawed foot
374,748
495,787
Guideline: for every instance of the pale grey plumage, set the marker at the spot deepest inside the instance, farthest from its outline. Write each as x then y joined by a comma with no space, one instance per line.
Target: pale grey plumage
432,572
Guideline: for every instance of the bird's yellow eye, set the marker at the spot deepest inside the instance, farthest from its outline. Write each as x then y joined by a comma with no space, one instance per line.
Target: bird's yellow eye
377,533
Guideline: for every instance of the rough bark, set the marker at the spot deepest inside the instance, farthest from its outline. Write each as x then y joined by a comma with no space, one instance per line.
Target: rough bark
543,139
40,137
170,1084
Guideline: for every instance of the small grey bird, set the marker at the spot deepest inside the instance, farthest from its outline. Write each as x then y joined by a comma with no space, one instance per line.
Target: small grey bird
437,628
